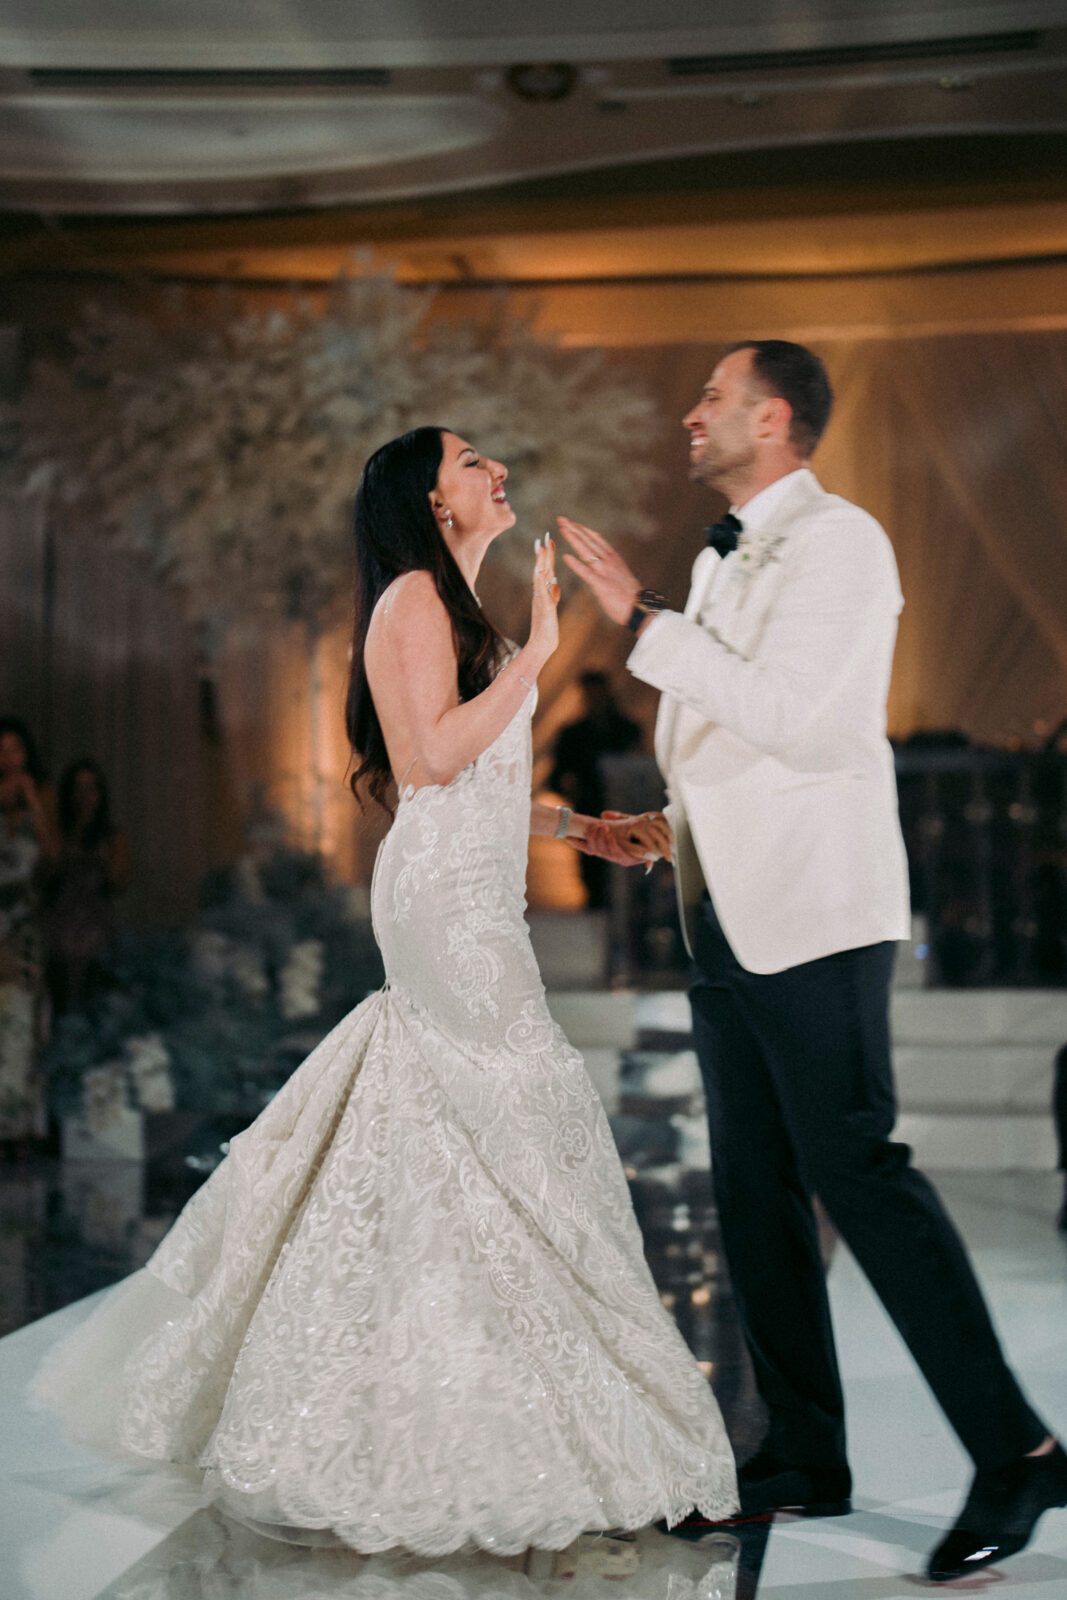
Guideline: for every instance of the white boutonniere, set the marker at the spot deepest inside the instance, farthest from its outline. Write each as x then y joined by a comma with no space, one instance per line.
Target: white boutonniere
757,549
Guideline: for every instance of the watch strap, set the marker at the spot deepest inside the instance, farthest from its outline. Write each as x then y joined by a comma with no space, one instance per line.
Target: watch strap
648,602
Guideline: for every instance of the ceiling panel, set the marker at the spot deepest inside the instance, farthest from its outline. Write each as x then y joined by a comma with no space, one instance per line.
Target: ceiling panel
141,139
436,32
212,106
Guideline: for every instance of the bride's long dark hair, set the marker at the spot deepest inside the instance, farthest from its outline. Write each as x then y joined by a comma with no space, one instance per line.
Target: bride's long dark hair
396,531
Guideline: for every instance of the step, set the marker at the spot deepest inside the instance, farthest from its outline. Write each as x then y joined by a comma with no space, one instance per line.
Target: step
571,948
980,1016
973,1068
951,1016
979,1077
596,1017
989,1142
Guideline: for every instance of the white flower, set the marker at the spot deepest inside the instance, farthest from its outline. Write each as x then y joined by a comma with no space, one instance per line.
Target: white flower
755,550
147,1053
211,954
151,1083
104,1099
298,984
248,972
217,957
150,1080
155,1092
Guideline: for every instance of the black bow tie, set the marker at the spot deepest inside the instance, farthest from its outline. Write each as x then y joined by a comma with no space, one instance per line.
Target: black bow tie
722,536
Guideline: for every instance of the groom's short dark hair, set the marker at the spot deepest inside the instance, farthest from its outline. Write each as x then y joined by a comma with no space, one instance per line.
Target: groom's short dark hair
793,373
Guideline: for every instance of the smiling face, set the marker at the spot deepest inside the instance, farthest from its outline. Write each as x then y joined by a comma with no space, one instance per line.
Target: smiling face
724,429
471,487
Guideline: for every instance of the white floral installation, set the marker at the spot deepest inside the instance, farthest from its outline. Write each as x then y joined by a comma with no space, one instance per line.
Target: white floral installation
225,448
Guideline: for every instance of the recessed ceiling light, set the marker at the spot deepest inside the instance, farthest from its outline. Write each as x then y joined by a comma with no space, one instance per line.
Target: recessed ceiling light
542,80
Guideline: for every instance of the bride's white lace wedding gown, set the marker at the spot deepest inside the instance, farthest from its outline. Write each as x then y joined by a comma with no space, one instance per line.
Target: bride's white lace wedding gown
412,1305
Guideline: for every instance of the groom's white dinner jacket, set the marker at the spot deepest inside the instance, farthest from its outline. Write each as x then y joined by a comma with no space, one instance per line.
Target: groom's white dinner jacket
771,730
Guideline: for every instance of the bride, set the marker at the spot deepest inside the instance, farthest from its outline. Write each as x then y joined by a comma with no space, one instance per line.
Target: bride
411,1308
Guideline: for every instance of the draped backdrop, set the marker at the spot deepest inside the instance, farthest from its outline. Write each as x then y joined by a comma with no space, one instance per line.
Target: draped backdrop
956,442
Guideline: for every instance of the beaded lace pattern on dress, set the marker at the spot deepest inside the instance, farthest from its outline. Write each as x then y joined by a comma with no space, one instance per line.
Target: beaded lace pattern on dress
412,1305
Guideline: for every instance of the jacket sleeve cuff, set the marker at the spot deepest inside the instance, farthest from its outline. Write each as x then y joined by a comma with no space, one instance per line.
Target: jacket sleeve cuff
655,652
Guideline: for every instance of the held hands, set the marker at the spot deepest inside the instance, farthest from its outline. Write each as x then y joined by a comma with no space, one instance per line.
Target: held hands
627,840
602,568
544,620
614,836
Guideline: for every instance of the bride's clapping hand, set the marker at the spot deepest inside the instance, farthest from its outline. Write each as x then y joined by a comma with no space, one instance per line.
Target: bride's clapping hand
544,621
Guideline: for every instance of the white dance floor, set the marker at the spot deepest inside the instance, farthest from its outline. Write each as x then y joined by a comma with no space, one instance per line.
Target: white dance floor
73,1529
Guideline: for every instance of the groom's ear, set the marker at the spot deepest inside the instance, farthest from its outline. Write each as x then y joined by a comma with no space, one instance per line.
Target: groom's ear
775,415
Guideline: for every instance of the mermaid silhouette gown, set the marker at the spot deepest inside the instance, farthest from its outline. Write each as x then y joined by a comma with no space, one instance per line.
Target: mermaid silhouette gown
412,1306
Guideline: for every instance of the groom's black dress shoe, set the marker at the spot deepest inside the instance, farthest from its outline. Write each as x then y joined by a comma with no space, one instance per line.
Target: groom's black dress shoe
767,1484
999,1515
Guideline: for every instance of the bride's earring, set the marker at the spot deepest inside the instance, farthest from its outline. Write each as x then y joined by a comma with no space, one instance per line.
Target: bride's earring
449,519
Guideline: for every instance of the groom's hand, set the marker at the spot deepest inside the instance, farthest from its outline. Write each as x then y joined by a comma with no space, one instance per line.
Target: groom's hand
602,568
627,840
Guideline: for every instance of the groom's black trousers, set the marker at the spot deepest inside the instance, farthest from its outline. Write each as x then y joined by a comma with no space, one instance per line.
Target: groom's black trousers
799,1088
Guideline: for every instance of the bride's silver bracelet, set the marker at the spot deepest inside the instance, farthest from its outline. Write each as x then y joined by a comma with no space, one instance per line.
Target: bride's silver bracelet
562,826
505,668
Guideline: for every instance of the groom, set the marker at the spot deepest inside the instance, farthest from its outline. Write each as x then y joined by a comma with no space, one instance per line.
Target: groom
793,887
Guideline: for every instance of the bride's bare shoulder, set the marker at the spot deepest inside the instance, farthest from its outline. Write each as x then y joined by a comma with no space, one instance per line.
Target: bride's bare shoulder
410,599
409,614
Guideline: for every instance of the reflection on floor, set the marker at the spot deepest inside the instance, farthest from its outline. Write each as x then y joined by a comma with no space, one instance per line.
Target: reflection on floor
74,1529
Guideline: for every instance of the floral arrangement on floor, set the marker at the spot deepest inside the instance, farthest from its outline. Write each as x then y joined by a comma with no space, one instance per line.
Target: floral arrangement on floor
214,1019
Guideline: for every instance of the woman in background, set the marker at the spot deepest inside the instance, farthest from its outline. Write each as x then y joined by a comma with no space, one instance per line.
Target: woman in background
412,1308
80,886
27,839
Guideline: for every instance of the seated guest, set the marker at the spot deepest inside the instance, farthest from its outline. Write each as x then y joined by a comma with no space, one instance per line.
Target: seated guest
27,838
1059,1112
90,869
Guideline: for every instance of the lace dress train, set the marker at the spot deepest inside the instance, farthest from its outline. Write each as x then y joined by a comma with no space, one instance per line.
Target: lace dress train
412,1306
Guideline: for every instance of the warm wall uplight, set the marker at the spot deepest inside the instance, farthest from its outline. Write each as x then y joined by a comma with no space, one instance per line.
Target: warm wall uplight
553,879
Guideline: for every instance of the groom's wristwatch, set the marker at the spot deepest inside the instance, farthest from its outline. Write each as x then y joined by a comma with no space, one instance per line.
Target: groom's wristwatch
647,603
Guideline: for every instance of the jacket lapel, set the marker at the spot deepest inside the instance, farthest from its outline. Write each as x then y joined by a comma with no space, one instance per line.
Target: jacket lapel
804,492
703,567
